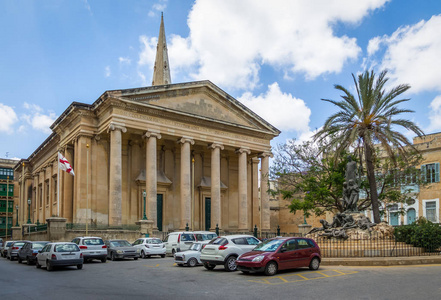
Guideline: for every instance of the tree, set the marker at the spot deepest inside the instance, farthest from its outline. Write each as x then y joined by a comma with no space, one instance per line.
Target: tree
368,119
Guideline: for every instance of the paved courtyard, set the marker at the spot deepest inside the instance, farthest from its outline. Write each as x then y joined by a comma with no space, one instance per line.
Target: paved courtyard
158,278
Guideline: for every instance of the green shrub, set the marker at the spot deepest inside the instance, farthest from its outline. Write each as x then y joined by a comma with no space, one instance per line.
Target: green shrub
422,233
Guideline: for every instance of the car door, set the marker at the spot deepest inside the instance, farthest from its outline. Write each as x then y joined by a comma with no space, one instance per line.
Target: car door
43,255
303,252
287,255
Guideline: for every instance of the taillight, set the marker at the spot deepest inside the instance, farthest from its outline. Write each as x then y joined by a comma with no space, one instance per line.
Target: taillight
83,247
223,247
81,255
14,248
34,253
179,238
104,247
54,257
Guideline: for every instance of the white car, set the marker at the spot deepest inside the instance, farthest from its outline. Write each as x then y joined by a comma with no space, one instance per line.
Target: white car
224,250
92,247
150,246
190,257
59,254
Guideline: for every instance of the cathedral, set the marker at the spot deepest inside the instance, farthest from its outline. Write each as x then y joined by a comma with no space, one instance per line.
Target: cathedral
173,153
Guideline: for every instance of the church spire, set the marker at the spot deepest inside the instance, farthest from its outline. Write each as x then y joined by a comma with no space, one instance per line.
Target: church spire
161,71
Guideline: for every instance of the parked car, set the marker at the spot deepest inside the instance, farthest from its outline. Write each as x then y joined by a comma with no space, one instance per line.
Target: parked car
29,252
92,247
120,249
204,236
1,243
150,246
61,254
281,254
5,248
179,241
190,257
224,250
13,249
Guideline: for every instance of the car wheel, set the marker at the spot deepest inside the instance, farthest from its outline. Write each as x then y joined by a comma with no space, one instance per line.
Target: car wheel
37,265
112,256
192,262
142,254
230,264
49,267
104,259
163,255
271,268
19,260
135,258
28,261
208,266
314,264
79,267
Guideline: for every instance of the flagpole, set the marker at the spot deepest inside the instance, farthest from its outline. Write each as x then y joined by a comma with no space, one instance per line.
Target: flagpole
58,186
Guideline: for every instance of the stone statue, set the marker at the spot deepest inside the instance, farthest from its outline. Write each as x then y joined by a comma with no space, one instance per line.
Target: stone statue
351,170
335,232
325,225
365,223
350,187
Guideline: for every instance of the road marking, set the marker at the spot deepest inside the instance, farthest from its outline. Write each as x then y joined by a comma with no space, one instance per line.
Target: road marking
275,280
151,266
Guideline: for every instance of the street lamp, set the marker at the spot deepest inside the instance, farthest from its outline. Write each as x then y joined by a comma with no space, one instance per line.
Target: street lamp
29,211
16,220
144,194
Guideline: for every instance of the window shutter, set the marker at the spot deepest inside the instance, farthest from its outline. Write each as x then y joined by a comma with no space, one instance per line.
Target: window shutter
423,174
436,172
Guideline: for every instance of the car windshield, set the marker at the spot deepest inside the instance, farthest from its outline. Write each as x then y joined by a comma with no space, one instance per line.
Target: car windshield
205,236
8,244
195,246
155,241
120,244
38,246
66,248
268,246
93,242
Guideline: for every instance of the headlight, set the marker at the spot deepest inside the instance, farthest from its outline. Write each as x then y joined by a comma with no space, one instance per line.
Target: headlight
137,250
119,251
183,256
258,258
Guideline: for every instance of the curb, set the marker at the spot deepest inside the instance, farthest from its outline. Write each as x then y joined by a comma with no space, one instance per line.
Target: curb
382,261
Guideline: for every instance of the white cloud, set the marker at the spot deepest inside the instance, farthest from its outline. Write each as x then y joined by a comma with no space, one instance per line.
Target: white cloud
107,71
284,111
229,40
8,118
413,55
159,6
124,60
37,118
435,115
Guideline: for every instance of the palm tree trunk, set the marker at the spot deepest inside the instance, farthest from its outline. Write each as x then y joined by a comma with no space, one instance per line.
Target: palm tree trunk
370,168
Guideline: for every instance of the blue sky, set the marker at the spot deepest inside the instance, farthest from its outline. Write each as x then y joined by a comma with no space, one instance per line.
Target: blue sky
277,57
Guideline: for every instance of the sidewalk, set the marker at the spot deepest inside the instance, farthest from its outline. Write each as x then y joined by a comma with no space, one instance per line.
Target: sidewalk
381,261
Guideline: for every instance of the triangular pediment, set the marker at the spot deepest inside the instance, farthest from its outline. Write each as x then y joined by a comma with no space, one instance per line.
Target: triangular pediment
201,99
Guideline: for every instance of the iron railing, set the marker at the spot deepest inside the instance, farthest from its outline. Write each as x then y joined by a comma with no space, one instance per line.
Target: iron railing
38,228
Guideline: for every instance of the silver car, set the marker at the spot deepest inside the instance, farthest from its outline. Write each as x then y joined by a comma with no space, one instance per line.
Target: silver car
5,248
12,252
190,257
119,249
92,247
61,254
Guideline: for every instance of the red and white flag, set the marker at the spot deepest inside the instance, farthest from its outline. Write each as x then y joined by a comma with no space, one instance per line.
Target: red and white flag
64,165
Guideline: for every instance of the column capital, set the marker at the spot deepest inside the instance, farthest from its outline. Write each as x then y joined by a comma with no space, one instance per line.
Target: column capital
186,139
243,150
265,154
152,133
255,160
116,126
215,145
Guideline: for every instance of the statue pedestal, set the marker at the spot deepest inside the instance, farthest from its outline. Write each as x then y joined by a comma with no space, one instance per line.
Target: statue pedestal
304,228
146,227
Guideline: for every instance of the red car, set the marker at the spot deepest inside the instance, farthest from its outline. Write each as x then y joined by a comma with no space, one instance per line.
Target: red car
280,254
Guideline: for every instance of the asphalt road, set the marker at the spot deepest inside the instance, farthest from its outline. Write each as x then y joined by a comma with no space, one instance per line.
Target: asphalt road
159,278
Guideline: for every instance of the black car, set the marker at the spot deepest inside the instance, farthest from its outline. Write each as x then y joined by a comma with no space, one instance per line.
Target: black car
29,251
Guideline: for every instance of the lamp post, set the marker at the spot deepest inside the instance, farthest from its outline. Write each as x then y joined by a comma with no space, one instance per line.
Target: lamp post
16,219
144,194
29,211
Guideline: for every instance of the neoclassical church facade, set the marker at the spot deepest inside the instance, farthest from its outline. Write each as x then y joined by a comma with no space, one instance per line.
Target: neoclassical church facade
185,153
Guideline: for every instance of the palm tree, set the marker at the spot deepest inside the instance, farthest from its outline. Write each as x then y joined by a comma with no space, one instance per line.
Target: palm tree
366,119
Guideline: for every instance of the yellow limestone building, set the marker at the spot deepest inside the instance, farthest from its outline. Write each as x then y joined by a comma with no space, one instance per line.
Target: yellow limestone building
190,151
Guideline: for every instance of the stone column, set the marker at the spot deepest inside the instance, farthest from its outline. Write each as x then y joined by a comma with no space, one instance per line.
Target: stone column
185,181
255,192
243,196
115,174
215,185
264,196
151,181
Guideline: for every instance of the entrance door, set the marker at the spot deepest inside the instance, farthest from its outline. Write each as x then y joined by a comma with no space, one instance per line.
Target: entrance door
207,213
411,215
394,219
159,206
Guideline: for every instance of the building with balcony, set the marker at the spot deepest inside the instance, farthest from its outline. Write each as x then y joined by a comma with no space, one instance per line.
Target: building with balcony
8,199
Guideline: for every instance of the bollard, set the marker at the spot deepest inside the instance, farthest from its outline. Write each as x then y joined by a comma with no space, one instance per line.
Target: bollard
278,230
217,229
187,228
